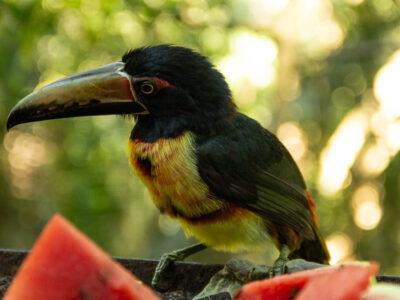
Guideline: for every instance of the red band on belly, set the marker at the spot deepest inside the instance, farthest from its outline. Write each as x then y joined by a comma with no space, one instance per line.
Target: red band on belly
219,215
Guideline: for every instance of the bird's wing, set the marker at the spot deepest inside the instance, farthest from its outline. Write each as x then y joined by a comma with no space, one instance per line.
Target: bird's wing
251,168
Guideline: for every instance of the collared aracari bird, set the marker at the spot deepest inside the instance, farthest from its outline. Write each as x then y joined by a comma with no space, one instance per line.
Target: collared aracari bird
227,180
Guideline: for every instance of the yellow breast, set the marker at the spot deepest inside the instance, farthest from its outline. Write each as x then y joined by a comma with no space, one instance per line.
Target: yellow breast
168,168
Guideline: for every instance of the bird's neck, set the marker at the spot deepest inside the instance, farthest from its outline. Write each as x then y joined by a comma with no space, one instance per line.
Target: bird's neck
150,129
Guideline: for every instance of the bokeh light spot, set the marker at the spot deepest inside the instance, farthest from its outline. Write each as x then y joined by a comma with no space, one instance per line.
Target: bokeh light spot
367,210
375,159
168,226
252,58
340,153
292,136
340,247
387,87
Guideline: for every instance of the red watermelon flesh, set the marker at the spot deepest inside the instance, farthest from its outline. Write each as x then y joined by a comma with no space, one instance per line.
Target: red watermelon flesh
65,265
279,288
346,283
290,286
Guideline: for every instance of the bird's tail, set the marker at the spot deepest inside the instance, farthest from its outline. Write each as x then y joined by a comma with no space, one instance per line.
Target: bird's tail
313,250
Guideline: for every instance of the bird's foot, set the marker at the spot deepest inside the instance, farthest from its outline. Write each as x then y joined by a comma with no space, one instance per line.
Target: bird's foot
286,266
278,268
168,259
165,261
298,265
226,283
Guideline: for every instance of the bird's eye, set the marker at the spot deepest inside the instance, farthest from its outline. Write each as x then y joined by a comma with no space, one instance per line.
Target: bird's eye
147,88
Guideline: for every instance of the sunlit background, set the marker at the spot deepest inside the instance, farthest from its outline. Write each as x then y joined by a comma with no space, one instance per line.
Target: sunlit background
323,75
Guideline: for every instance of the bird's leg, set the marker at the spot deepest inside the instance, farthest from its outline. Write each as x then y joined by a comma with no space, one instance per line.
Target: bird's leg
278,268
168,258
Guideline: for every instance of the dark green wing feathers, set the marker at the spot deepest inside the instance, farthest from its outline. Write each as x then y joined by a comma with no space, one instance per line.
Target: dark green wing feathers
248,166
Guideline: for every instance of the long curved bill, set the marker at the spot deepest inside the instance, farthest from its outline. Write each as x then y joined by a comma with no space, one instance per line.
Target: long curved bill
103,91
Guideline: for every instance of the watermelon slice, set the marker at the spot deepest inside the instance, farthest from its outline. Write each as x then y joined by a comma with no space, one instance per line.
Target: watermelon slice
346,283
65,265
352,280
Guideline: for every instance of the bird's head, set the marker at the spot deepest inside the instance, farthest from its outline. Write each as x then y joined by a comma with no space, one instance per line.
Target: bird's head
166,88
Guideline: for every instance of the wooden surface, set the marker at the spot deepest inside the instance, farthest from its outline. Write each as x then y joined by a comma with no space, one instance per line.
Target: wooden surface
187,279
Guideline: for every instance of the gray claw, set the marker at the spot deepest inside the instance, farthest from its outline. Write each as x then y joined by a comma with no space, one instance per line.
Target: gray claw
165,261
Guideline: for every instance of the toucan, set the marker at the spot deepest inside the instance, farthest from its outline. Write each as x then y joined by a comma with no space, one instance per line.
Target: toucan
229,182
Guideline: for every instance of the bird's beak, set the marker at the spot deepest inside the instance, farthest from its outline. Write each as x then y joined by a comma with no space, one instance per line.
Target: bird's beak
102,91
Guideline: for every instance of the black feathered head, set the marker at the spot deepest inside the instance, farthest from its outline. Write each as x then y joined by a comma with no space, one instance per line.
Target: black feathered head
191,83
167,88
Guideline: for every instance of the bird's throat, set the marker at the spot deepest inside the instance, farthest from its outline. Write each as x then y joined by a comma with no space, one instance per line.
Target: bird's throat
149,129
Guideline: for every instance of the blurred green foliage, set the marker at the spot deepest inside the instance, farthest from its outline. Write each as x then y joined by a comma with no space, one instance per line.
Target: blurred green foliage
308,70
